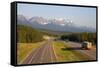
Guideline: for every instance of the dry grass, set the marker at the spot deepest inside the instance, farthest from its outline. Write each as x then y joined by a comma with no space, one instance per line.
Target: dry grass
67,55
23,49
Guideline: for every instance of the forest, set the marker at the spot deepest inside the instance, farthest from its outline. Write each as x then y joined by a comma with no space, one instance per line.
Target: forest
26,34
80,37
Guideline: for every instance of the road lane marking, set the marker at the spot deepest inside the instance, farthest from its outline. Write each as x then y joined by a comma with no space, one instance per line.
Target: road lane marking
81,51
42,54
50,53
27,56
47,52
35,54
54,52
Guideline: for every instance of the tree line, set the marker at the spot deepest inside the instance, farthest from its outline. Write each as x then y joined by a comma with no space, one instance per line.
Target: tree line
80,37
26,34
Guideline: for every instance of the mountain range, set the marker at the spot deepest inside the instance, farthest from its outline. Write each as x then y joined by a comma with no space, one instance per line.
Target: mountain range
55,24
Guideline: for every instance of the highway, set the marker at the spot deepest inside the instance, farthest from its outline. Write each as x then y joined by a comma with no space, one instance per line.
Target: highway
46,54
77,47
43,54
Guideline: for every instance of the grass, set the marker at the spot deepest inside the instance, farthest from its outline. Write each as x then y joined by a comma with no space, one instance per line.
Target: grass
67,55
23,49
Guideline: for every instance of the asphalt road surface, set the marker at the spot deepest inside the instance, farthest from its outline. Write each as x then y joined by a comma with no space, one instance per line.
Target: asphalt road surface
43,54
77,46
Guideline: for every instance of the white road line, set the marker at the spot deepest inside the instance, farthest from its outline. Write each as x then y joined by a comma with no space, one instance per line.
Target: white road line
27,56
50,54
37,52
43,52
81,51
54,52
34,55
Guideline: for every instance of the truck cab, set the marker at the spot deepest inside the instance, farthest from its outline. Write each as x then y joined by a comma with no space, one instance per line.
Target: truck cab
86,45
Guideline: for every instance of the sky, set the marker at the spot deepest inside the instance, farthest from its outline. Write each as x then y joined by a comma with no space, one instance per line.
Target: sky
81,16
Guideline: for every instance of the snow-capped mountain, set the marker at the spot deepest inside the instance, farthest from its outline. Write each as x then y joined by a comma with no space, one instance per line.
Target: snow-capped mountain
57,24
39,20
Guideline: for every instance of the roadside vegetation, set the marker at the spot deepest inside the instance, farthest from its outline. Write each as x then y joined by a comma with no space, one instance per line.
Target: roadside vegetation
28,39
26,34
80,37
24,49
64,55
